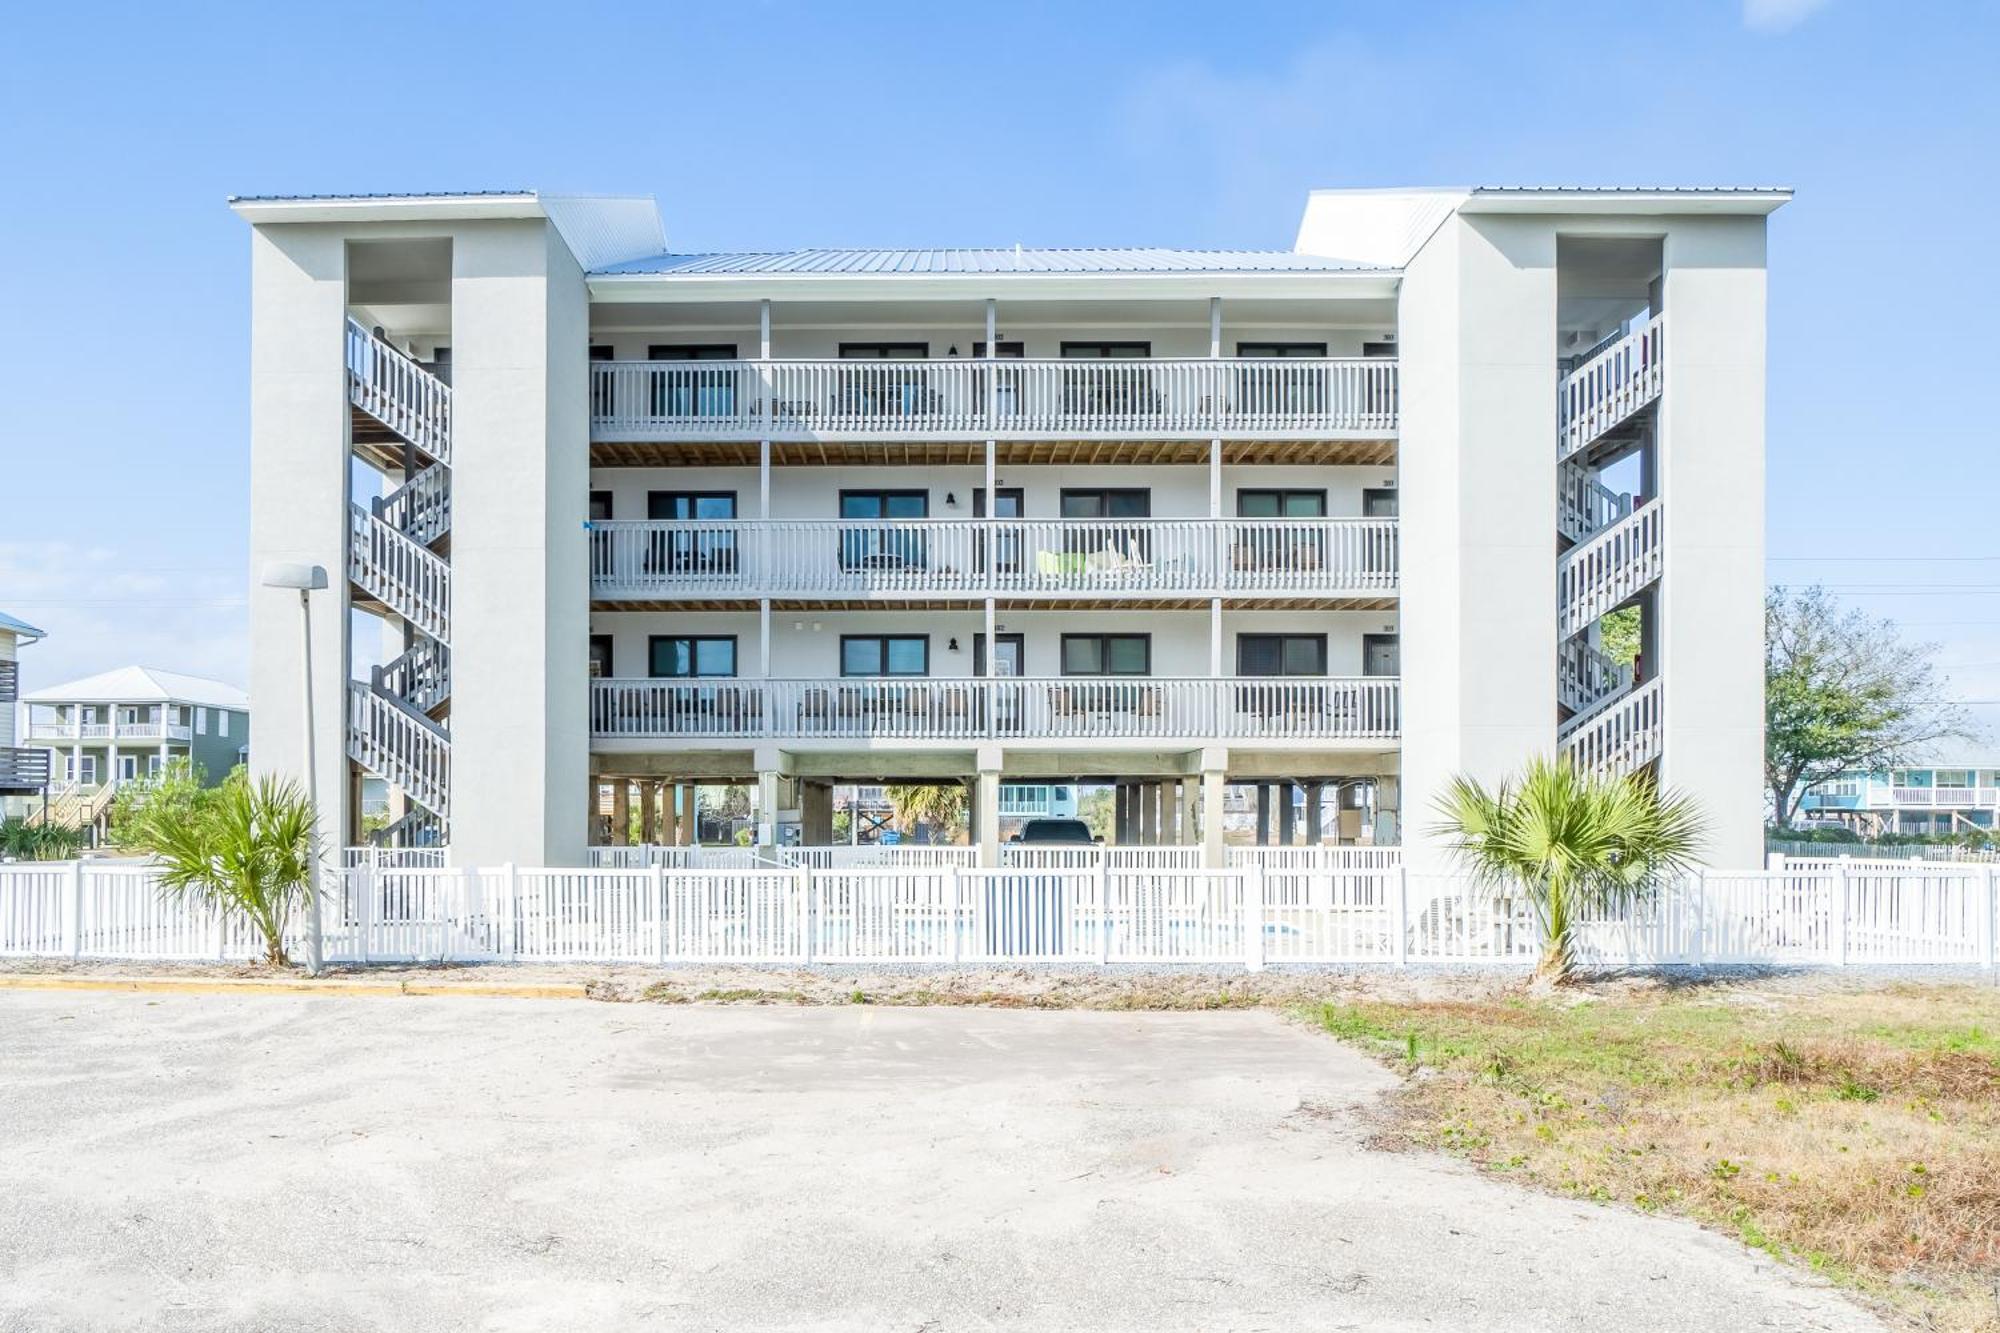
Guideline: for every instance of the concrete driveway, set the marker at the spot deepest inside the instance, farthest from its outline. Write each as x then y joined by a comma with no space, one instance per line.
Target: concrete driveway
294,1162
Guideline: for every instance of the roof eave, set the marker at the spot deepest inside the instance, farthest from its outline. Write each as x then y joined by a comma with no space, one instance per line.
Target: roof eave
1746,202
680,287
400,208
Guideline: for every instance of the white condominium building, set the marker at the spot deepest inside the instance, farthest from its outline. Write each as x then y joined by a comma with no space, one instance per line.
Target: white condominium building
1343,521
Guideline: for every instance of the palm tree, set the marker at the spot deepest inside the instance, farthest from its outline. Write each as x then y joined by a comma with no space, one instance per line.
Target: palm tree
250,850
940,806
1574,842
22,841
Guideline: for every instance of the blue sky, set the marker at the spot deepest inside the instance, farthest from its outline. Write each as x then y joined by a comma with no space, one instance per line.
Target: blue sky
123,454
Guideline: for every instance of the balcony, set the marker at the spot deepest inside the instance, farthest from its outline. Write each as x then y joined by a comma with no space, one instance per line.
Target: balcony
23,770
1953,798
61,729
1298,398
1341,559
1069,709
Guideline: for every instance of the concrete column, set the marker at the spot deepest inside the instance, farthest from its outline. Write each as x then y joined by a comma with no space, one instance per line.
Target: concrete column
299,464
986,809
1711,478
1173,822
621,812
1388,823
766,812
1263,814
649,825
1118,835
1149,813
1288,817
1212,853
1476,489
1190,802
520,570
1315,797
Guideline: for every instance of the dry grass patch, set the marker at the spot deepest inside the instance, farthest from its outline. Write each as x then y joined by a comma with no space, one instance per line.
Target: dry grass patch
1854,1133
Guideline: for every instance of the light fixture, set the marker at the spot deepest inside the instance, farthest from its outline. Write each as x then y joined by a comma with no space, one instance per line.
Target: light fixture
953,351
815,627
950,500
952,646
798,625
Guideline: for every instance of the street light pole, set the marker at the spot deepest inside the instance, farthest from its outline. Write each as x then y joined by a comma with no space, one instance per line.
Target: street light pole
306,579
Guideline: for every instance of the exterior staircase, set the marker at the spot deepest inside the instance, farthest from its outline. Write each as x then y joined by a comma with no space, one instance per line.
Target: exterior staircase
1611,551
398,563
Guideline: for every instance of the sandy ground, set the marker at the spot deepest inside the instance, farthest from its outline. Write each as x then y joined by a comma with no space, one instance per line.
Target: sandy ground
284,1161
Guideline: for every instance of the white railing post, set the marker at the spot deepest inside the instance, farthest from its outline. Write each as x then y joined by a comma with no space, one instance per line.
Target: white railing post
1399,914
1103,905
73,932
658,879
1837,910
364,909
1775,862
1253,916
1698,943
1989,909
808,931
953,888
221,934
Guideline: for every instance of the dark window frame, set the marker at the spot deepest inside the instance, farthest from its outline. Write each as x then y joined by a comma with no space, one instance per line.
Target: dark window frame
884,640
1290,349
885,351
694,658
1080,349
1371,494
1281,638
1104,639
692,351
605,642
730,496
1283,494
1104,494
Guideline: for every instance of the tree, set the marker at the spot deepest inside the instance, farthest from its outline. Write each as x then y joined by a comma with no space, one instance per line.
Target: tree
250,851
940,807
1618,635
1843,692
180,790
1574,843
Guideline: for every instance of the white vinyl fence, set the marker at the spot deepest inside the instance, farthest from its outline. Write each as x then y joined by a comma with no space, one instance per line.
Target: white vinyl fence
1273,906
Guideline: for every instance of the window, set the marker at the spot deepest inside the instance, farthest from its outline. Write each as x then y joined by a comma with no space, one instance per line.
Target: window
201,722
1106,502
1107,654
885,654
1378,502
884,351
879,545
688,391
600,657
1106,351
698,550
1003,350
1280,504
603,555
222,721
128,767
1281,654
600,506
691,656
153,765
1267,350
80,774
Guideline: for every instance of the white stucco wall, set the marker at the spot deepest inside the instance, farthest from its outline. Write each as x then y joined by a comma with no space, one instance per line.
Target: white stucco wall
1478,489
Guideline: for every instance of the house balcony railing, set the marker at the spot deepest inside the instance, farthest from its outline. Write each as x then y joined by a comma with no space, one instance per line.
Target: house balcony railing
1946,797
23,769
640,560
1096,708
59,729
1191,398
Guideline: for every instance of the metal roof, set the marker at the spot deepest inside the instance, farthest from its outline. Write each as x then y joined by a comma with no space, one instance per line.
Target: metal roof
1016,259
138,685
20,628
1631,189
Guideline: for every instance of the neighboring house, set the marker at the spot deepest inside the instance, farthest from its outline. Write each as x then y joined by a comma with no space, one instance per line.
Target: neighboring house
24,770
1346,517
1960,796
130,723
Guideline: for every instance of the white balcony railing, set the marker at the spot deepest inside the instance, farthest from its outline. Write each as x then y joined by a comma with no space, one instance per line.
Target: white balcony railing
1602,573
399,392
1019,557
1085,708
1599,395
59,730
1293,397
1947,797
